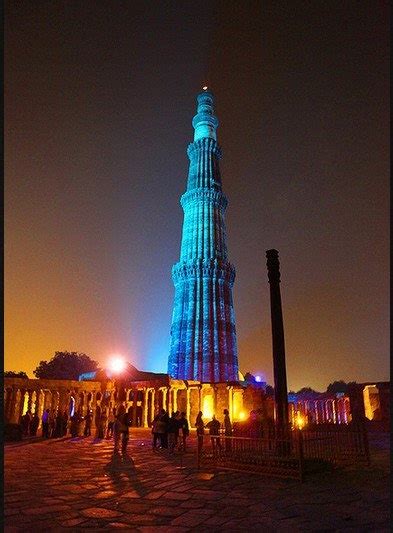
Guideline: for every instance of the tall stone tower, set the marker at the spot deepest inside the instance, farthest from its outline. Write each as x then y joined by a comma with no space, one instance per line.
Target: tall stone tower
203,333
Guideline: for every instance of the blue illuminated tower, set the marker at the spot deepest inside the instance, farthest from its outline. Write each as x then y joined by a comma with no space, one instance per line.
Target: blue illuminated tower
203,333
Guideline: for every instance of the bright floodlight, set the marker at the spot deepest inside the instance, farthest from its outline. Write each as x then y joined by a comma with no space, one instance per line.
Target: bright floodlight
117,365
258,379
204,88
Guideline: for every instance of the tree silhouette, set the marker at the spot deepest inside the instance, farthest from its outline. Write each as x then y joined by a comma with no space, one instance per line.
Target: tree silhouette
66,365
12,374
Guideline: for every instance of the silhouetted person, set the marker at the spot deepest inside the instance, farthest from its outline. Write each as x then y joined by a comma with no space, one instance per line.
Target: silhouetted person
214,430
117,427
102,424
74,426
165,422
45,424
52,422
58,425
227,429
111,421
35,421
64,424
88,421
200,429
184,429
173,431
25,423
157,429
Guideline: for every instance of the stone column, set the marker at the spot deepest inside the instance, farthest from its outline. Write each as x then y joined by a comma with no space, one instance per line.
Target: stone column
8,404
188,406
214,389
230,401
164,398
30,400
134,406
170,404
145,407
153,405
40,405
174,401
12,404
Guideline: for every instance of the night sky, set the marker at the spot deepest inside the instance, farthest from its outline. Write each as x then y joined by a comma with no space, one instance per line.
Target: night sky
99,98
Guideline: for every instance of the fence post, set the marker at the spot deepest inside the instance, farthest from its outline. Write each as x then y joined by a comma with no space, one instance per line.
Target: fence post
300,452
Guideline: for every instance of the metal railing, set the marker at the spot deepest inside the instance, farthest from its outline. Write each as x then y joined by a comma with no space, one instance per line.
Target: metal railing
285,453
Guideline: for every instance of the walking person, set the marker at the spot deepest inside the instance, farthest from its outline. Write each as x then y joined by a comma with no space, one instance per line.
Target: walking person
45,424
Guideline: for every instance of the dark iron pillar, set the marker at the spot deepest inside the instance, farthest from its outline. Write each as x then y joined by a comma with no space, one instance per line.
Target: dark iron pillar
279,367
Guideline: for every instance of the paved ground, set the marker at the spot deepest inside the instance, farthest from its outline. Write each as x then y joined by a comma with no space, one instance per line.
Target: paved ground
71,484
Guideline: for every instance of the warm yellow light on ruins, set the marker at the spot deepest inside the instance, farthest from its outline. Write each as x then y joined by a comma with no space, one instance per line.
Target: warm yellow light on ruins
300,420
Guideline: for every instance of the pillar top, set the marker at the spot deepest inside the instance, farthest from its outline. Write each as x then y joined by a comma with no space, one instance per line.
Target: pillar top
273,266
205,122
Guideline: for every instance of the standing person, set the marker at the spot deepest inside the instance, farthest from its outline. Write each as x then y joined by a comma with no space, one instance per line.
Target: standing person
58,424
227,430
124,430
200,427
172,428
45,424
64,423
102,424
183,423
117,427
88,421
74,425
52,422
214,429
155,426
165,424
111,421
35,421
25,423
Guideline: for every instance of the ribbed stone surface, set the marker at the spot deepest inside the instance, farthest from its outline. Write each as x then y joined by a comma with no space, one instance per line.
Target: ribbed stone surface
203,333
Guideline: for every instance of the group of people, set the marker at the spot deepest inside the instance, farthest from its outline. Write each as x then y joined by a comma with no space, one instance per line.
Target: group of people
170,432
214,428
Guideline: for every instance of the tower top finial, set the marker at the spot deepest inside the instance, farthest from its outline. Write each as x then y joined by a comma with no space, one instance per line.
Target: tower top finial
205,122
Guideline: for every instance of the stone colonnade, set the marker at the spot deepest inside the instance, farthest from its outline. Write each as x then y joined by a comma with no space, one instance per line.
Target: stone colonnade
37,395
144,398
322,410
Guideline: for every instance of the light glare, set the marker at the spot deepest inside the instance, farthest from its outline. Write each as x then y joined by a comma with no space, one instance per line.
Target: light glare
117,365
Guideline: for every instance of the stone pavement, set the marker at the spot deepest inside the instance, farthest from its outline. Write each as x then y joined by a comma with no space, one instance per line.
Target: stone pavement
71,484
